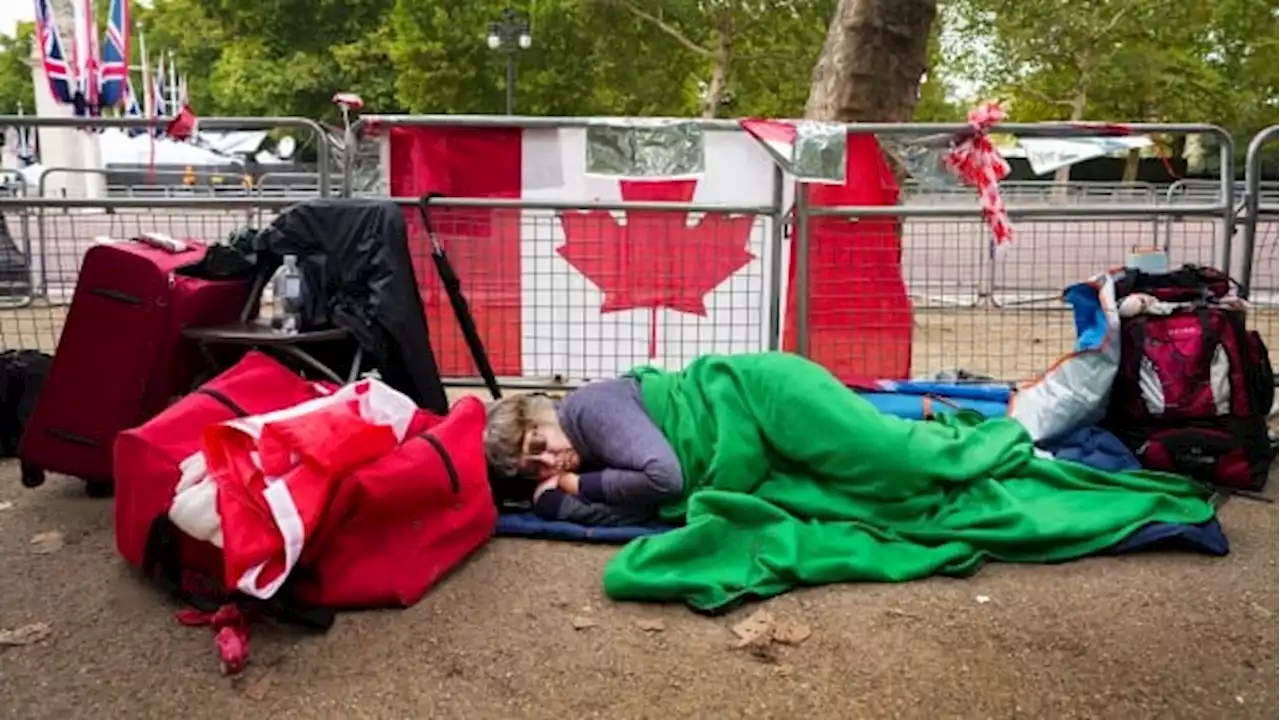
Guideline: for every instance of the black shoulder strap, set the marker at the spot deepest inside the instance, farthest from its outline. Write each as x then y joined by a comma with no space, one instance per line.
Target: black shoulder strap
453,286
162,563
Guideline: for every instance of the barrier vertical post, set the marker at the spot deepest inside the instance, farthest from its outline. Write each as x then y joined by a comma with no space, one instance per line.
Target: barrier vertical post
800,241
776,258
1253,201
1227,179
353,133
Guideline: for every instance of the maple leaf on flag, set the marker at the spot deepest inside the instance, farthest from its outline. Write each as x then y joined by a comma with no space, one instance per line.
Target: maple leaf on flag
656,259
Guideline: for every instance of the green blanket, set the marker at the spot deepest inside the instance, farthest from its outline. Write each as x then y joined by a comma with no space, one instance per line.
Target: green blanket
793,479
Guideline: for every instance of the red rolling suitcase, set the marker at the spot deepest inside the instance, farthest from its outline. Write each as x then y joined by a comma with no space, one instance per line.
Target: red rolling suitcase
121,357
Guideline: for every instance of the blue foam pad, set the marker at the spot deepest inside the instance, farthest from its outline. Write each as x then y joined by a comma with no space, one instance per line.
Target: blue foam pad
529,525
911,406
1205,538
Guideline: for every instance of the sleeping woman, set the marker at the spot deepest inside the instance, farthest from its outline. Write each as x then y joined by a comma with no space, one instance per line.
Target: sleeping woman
780,432
593,458
780,476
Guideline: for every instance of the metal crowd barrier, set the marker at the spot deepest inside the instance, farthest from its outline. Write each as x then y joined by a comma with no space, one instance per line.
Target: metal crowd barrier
539,312
1260,235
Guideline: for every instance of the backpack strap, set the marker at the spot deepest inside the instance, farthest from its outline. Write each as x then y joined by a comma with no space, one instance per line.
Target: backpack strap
1213,338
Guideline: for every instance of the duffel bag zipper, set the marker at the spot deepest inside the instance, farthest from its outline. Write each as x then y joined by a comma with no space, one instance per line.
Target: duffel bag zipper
455,483
225,401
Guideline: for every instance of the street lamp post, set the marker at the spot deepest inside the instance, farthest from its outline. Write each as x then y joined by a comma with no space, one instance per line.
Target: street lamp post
511,34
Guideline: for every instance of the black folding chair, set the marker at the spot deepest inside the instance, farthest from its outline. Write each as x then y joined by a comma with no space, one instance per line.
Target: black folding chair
252,332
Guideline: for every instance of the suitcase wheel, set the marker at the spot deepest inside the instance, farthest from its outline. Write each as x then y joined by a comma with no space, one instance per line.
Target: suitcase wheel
32,476
99,490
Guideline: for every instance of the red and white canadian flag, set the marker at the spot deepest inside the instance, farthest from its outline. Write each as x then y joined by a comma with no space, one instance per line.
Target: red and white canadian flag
593,293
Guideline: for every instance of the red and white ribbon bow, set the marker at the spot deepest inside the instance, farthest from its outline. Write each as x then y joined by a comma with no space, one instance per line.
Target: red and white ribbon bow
977,162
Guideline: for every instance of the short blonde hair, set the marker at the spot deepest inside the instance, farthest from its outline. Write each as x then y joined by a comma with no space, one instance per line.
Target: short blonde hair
508,421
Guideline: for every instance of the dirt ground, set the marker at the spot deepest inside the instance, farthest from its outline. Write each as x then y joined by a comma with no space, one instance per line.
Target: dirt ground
1169,635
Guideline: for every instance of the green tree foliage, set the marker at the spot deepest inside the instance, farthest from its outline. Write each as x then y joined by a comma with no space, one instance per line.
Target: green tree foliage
752,55
1047,56
288,57
277,58
936,103
16,89
1240,86
1188,61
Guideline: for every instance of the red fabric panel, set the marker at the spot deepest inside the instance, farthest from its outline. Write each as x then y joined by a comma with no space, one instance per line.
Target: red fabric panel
483,245
859,315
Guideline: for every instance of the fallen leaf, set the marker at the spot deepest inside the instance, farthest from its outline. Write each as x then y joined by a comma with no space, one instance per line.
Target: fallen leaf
25,635
982,599
900,613
784,670
46,542
651,625
758,625
582,623
791,633
257,688
5,505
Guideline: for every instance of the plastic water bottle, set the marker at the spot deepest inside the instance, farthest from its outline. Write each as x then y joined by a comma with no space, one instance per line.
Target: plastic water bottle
288,292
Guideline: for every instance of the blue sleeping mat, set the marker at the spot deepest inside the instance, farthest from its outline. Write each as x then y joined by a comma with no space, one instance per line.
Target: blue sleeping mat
1091,446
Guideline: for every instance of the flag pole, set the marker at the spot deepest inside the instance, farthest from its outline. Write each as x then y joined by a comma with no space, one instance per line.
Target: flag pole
171,78
24,149
148,97
149,108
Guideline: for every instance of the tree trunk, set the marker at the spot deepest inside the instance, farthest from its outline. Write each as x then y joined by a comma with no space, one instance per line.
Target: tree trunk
872,61
1079,102
870,68
719,83
1132,161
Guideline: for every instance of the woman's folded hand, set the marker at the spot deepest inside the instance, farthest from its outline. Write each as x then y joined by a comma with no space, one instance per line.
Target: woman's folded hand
568,482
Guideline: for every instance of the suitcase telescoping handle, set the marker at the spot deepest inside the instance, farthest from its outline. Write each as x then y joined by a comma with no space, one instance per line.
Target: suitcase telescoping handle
461,310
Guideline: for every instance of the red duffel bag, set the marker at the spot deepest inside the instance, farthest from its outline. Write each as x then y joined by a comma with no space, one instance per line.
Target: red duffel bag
148,466
396,526
347,500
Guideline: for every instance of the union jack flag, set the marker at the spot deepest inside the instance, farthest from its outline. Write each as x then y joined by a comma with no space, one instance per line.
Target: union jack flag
115,56
56,69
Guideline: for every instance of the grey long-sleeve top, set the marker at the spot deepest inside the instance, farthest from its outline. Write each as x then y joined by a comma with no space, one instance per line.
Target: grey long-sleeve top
628,469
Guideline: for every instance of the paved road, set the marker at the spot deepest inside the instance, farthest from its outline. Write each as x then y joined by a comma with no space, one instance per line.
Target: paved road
945,257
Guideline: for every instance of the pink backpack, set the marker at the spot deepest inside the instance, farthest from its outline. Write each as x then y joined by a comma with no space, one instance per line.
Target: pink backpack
1195,385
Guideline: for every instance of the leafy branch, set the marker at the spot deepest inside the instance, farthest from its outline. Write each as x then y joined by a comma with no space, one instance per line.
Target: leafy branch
1044,97
726,23
671,31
